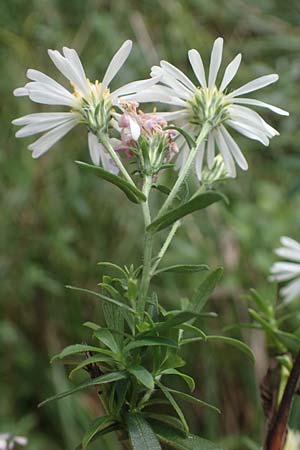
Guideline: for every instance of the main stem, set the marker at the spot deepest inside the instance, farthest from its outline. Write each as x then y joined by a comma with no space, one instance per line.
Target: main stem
147,254
186,168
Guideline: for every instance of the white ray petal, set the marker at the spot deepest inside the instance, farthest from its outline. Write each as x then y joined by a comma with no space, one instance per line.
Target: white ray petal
74,60
49,98
180,76
242,113
251,101
20,92
288,253
215,61
36,75
210,150
225,152
49,89
254,85
107,162
282,276
234,149
134,129
197,66
135,87
43,117
199,160
173,115
289,242
39,127
45,142
115,64
248,131
291,291
94,148
230,71
280,267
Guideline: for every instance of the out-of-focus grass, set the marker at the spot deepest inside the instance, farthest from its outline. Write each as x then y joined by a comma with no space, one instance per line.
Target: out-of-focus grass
56,223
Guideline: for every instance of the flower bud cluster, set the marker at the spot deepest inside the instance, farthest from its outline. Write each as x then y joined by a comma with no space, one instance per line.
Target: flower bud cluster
146,136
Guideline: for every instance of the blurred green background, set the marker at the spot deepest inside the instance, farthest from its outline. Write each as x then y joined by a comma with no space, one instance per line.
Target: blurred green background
56,224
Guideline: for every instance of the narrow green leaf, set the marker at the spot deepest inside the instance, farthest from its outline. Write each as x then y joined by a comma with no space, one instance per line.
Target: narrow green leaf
174,404
268,329
109,429
186,378
92,360
164,418
183,268
141,435
79,348
190,399
132,192
291,341
175,320
103,297
189,140
106,337
235,343
95,427
103,379
182,441
91,325
143,376
112,266
149,342
205,289
201,201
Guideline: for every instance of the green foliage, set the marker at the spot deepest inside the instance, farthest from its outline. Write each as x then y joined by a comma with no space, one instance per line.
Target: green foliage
132,193
198,202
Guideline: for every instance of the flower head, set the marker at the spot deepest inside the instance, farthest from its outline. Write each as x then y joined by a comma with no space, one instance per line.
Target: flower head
147,136
90,103
289,269
212,104
9,442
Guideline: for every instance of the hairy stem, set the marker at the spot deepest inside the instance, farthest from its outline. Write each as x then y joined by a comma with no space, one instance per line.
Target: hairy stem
165,245
185,170
103,139
147,253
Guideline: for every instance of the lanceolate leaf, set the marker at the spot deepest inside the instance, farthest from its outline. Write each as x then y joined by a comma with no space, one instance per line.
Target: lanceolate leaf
92,360
103,379
174,404
205,289
186,378
189,140
201,201
141,435
172,321
143,376
79,348
190,399
149,342
103,297
95,427
182,441
183,268
106,337
132,192
235,343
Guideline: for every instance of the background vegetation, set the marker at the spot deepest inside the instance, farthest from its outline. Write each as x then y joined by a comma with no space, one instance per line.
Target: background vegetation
56,224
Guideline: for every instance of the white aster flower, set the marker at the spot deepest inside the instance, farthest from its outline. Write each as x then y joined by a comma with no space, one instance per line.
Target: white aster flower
293,440
215,105
289,269
9,442
89,103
